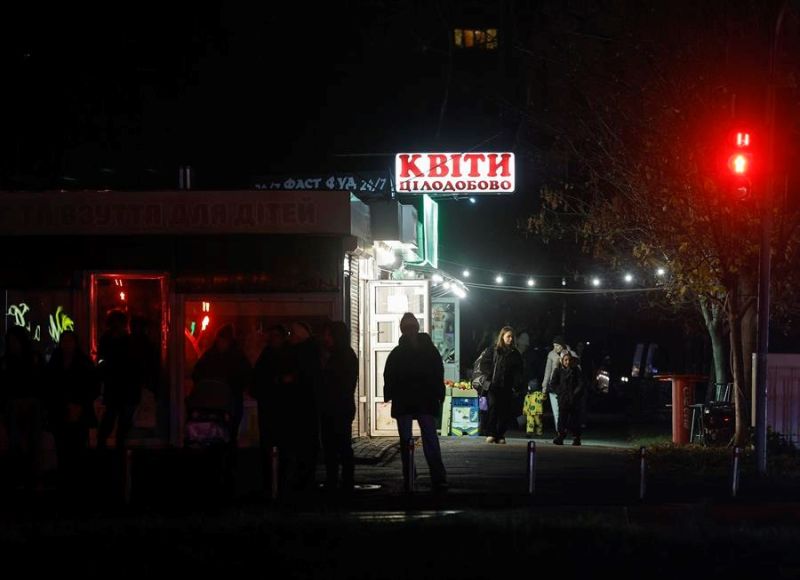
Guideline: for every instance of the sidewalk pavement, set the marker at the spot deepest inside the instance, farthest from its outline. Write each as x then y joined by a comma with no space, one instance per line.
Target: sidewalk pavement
372,450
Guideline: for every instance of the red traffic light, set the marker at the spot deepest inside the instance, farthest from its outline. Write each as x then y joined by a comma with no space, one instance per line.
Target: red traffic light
740,158
739,163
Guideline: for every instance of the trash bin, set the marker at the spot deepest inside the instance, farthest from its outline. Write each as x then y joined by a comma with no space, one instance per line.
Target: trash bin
683,396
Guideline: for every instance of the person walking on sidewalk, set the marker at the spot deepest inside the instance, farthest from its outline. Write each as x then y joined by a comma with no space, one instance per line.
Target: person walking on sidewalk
503,366
554,362
533,409
570,389
414,383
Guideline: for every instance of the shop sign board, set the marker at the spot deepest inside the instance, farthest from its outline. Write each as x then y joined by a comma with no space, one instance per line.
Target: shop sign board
456,173
175,212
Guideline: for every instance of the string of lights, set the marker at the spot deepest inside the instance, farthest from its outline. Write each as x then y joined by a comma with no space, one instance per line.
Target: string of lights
531,281
563,291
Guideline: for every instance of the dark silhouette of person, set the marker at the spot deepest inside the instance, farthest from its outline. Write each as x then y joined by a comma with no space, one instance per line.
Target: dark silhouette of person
570,388
226,362
269,393
300,382
73,385
336,404
414,383
503,364
21,397
121,391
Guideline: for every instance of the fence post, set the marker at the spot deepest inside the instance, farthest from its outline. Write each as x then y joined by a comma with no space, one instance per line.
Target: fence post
642,472
275,475
735,478
531,467
412,467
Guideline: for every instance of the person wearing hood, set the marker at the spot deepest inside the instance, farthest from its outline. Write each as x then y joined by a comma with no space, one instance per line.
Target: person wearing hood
414,383
570,388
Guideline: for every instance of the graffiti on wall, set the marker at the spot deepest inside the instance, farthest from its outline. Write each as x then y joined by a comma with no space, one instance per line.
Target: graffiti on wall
59,322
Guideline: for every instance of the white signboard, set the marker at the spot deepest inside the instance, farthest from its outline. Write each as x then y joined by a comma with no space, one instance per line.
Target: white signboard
466,173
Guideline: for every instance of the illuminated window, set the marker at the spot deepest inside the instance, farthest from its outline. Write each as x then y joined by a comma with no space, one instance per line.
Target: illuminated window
485,39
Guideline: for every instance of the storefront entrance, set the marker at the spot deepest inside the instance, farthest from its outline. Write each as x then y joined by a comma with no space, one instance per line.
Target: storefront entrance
389,300
143,297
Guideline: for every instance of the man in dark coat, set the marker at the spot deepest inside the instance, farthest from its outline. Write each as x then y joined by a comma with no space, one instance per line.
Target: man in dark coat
414,382
121,390
301,384
336,403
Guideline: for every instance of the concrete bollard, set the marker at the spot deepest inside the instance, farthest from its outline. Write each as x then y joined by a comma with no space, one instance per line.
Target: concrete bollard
275,475
412,467
531,467
737,451
642,472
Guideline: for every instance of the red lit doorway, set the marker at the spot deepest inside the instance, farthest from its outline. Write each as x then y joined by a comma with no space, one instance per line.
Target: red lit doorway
143,297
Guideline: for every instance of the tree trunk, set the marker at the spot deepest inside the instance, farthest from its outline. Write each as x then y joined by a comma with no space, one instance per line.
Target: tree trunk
737,363
713,317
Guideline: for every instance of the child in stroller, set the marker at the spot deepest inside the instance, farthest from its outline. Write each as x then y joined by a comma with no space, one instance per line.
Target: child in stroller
209,414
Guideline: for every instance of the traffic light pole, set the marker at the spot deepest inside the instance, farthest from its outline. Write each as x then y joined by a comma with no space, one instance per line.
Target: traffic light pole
765,256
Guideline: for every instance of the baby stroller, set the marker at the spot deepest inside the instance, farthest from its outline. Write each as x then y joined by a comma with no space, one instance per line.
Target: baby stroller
209,414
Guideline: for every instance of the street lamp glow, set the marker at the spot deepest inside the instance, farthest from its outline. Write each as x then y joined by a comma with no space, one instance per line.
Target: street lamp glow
595,281
563,281
446,285
473,200
465,273
499,279
629,278
437,278
660,272
531,282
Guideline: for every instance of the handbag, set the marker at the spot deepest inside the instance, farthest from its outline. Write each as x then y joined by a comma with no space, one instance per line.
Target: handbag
481,382
483,403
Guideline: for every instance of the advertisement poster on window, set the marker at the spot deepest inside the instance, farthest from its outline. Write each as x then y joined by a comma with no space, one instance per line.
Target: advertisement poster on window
465,416
443,330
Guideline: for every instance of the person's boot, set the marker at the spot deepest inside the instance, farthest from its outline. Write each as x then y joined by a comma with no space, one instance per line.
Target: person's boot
490,439
559,440
576,441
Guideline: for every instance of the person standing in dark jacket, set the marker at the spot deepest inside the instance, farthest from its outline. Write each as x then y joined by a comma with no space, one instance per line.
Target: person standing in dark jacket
269,393
570,389
336,404
226,362
301,382
73,386
505,370
414,383
121,391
